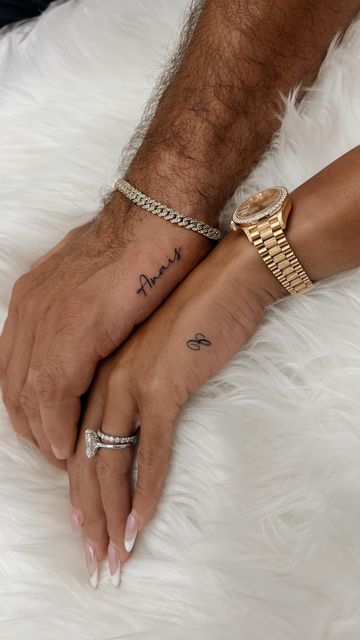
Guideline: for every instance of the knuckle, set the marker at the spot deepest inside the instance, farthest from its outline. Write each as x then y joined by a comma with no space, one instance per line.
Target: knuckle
72,314
149,495
32,375
11,397
49,383
151,393
103,467
74,308
28,402
28,308
142,491
70,323
94,526
147,457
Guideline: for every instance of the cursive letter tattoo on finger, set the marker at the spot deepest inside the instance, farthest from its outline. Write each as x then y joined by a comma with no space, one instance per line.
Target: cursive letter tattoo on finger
147,282
196,343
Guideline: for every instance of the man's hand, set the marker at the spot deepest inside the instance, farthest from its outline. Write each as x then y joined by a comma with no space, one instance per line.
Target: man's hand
76,305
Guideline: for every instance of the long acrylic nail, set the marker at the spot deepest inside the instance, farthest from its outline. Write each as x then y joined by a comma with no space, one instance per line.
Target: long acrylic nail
130,532
91,562
114,564
76,518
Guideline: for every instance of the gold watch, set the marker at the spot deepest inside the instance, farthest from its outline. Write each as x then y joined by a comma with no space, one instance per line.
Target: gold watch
263,217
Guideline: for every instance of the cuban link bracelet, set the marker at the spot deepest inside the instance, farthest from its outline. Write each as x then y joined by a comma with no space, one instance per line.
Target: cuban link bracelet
163,211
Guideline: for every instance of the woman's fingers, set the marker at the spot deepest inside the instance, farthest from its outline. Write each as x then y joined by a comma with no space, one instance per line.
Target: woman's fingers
153,459
87,511
113,468
101,486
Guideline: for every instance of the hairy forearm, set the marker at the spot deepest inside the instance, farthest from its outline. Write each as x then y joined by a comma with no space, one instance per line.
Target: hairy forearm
219,102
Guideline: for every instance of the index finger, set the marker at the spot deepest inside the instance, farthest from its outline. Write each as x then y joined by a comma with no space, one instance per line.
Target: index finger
60,378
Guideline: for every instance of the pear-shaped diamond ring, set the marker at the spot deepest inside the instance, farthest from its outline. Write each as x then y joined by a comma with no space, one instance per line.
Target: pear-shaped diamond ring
95,440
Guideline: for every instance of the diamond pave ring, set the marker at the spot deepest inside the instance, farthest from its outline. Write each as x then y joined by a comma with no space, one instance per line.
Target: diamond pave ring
95,440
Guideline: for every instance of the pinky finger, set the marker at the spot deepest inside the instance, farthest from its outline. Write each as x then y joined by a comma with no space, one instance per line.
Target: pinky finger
153,461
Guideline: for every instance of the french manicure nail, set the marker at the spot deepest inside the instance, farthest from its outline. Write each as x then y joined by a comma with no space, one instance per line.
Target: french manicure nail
114,564
91,562
130,532
76,518
58,453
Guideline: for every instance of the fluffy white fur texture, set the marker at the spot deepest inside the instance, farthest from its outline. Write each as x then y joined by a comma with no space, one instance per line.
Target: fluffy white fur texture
258,532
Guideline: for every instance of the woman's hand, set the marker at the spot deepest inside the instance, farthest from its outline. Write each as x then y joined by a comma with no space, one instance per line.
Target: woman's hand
196,331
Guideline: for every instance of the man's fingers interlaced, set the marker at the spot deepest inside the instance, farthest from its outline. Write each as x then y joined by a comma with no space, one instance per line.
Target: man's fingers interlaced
101,490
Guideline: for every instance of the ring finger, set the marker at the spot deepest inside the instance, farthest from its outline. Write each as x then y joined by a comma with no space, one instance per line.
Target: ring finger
113,468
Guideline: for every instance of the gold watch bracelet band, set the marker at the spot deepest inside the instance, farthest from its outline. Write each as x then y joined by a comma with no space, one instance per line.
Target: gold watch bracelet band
272,245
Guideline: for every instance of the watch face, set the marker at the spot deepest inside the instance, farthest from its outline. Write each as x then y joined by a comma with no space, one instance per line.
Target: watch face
261,205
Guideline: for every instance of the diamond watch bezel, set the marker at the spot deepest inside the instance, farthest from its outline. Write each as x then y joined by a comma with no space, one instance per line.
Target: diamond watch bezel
265,213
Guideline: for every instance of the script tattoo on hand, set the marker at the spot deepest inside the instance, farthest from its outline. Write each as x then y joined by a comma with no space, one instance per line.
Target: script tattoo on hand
148,282
199,341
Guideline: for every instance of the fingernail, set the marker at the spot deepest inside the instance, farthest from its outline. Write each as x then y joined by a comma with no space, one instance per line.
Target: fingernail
91,562
58,453
76,518
114,564
130,532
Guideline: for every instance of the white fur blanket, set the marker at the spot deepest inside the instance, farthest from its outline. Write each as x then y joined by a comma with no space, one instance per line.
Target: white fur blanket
258,532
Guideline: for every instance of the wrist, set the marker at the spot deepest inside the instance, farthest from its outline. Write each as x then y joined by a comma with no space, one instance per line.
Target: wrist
181,181
154,255
247,268
130,224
